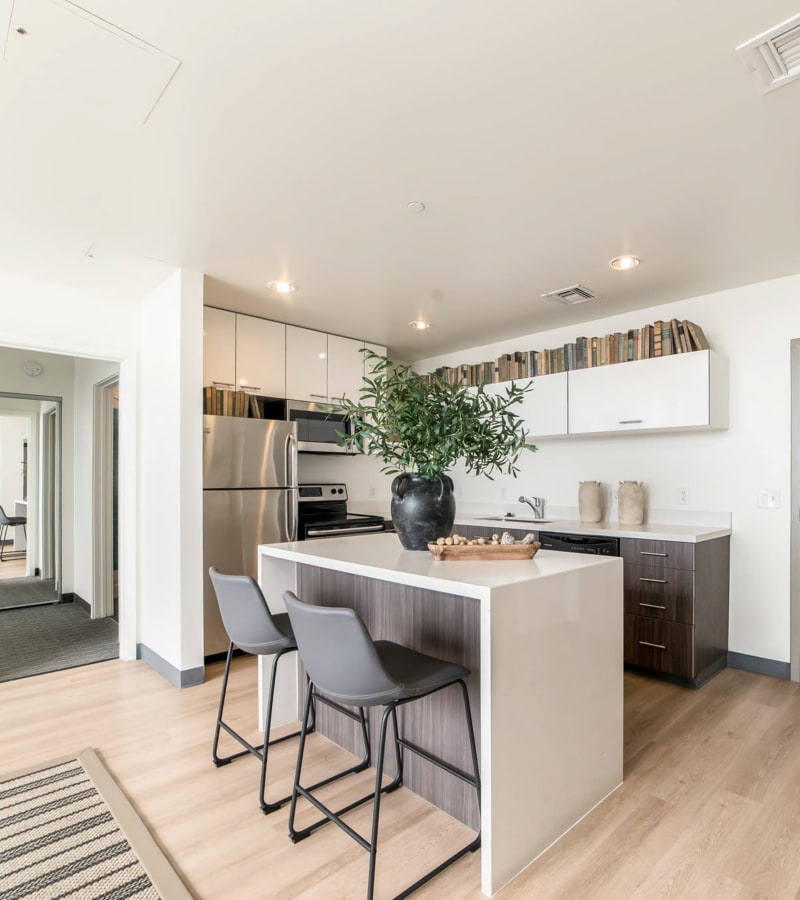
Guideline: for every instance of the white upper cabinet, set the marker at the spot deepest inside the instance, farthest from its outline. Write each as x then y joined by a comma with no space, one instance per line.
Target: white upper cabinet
345,368
543,409
306,364
681,391
219,346
261,356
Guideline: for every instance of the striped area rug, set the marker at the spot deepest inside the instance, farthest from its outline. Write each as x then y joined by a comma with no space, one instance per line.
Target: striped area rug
68,831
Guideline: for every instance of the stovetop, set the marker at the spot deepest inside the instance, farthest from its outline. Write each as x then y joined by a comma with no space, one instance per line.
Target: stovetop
322,512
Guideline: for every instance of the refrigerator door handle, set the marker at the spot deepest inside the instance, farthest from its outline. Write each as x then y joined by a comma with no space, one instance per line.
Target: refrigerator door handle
291,460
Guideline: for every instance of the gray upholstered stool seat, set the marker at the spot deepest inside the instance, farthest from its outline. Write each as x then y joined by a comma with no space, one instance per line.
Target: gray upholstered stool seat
344,663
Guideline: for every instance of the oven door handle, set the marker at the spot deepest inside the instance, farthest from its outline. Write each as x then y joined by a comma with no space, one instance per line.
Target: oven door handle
331,532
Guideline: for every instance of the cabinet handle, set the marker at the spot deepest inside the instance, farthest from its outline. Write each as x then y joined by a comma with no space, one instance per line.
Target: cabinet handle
648,644
656,580
319,396
223,384
652,553
652,606
631,421
248,388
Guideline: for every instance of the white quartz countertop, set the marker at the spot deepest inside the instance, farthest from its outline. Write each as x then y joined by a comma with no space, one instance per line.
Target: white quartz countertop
381,556
653,532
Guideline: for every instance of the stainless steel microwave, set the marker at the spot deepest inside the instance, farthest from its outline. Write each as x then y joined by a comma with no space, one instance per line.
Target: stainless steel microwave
318,431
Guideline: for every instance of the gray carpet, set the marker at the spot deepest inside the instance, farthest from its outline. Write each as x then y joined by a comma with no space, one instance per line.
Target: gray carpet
48,638
26,591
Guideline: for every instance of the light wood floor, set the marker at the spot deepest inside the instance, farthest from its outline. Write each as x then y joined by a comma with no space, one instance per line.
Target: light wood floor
13,568
709,807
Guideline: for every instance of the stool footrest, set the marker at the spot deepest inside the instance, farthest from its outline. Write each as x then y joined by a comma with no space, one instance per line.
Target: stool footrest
437,761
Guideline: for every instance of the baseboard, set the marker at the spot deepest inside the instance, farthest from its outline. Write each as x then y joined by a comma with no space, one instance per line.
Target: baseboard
759,665
72,597
179,678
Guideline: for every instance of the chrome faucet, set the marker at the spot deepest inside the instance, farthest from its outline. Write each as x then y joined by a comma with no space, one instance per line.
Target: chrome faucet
536,504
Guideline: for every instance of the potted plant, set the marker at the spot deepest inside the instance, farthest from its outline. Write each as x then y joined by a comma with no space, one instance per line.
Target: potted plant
420,426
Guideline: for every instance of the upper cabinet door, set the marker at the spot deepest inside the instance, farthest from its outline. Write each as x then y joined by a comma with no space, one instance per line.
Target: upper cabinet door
219,346
345,368
261,356
306,364
544,408
684,390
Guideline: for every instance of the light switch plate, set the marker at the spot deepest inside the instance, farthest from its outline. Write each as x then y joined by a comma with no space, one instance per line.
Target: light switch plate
769,498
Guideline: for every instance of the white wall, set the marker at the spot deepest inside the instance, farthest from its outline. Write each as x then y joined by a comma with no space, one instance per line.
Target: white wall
88,373
170,489
752,326
14,429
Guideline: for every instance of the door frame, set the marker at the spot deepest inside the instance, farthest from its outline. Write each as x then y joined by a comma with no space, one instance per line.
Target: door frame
794,530
103,497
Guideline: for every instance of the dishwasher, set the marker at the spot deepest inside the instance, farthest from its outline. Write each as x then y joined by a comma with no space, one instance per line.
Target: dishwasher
579,543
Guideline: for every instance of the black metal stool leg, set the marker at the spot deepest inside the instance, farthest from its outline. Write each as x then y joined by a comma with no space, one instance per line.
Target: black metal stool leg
388,713
218,760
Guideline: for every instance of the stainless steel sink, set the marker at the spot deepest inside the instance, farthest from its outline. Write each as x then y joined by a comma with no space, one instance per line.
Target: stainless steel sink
512,519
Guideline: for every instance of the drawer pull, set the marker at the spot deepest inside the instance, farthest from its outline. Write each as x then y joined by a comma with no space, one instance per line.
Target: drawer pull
630,421
648,644
652,553
652,606
656,580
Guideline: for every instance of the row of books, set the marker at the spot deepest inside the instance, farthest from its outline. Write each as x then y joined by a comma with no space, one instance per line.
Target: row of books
225,402
661,338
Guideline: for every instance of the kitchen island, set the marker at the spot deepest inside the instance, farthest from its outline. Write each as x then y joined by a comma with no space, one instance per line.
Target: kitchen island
543,638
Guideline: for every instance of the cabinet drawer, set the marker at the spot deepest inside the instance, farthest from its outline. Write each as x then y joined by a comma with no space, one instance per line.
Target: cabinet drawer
660,593
665,554
663,646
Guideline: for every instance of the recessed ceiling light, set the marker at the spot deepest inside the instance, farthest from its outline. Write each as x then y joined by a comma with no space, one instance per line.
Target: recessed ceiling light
416,206
620,263
419,325
282,287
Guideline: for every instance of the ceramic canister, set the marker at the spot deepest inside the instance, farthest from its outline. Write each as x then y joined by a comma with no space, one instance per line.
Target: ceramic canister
630,498
590,501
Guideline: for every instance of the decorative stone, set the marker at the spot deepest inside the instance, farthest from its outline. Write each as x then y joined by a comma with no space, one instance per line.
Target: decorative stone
506,538
630,503
590,501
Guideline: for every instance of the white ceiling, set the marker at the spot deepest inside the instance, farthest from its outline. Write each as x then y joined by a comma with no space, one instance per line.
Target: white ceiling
544,139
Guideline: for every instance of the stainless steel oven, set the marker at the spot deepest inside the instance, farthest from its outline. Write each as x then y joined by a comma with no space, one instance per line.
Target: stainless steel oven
318,431
322,512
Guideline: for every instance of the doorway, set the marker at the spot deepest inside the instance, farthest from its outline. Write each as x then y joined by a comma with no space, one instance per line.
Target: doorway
30,429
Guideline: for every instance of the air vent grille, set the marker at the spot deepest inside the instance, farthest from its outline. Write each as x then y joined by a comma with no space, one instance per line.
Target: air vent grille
774,57
570,296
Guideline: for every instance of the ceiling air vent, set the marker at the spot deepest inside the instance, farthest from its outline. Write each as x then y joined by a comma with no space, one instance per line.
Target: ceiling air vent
774,56
569,296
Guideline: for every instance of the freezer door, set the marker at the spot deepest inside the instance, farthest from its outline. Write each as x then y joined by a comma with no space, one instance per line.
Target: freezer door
248,453
235,522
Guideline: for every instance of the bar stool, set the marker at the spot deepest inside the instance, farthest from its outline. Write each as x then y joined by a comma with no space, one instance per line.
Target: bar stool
7,522
345,663
252,628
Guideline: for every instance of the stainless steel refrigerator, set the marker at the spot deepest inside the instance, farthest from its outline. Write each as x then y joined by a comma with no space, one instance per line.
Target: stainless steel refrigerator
249,498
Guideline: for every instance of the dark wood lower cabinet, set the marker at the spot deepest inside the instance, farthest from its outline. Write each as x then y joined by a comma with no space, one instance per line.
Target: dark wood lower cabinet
676,607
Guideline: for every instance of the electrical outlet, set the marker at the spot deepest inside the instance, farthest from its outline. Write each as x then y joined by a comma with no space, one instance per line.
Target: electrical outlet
769,498
614,495
502,493
683,496
372,490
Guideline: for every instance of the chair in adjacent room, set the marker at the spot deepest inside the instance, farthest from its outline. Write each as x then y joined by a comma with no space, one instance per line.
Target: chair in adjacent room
7,522
345,664
254,629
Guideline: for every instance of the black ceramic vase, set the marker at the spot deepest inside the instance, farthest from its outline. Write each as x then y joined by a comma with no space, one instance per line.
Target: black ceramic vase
422,509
